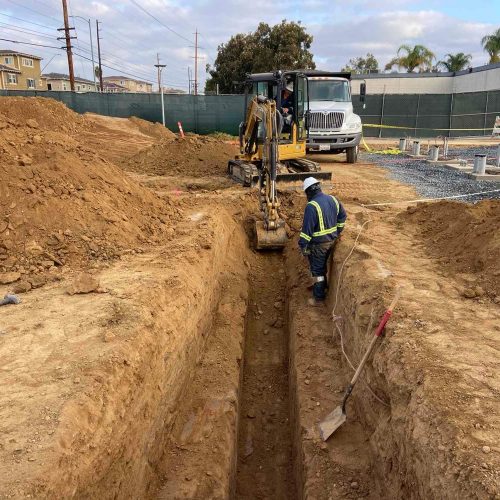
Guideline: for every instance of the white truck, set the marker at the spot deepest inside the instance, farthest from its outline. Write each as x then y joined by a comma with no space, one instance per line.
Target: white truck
333,125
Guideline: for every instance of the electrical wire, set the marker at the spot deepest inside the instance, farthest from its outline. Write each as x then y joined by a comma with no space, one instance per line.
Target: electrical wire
159,22
11,27
34,44
58,21
111,67
26,21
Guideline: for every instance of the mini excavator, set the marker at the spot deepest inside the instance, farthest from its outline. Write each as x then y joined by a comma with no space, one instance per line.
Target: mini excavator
273,147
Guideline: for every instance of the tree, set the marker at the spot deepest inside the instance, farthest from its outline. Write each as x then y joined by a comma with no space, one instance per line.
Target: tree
456,62
366,64
416,57
491,44
283,46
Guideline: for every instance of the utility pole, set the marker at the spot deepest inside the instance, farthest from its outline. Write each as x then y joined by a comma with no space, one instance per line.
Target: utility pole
99,56
189,80
91,47
160,67
68,39
196,62
157,65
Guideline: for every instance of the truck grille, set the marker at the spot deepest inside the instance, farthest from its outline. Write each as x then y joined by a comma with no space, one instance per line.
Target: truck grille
329,120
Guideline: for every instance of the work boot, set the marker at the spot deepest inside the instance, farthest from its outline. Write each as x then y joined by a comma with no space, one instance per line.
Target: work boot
315,303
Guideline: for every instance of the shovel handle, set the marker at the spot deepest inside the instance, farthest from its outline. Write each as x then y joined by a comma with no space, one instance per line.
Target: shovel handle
378,333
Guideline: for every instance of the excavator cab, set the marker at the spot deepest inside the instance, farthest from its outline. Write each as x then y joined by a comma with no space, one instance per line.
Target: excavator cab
288,90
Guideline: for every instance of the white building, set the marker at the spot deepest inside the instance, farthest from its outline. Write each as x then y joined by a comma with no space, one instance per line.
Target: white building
480,79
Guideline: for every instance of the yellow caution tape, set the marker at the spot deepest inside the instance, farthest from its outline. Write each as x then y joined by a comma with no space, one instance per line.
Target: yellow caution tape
389,151
374,125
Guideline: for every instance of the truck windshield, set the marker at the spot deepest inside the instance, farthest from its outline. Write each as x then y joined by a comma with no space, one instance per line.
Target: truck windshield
329,90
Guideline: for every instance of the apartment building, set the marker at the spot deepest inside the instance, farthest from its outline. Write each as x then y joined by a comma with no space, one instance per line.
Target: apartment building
130,84
20,71
114,88
60,81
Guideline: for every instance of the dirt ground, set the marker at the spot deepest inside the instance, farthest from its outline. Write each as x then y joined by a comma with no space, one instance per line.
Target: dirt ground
155,354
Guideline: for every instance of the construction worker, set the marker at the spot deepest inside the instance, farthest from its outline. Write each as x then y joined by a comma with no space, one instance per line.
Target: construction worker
324,220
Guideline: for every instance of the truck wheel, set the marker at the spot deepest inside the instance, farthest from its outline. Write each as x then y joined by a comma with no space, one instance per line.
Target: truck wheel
352,154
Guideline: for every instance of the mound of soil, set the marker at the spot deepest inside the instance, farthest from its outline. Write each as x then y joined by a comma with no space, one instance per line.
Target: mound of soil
156,130
193,156
61,202
464,238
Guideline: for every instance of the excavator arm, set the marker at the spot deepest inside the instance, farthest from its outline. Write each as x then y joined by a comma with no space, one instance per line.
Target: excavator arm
261,128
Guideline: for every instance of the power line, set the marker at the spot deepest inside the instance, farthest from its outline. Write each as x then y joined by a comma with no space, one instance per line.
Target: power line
159,22
114,69
26,21
12,27
35,11
27,43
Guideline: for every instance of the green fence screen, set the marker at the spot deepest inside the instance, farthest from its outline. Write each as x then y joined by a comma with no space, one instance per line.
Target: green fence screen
423,115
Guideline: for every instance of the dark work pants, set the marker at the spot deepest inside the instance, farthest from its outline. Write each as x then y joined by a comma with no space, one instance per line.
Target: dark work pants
318,263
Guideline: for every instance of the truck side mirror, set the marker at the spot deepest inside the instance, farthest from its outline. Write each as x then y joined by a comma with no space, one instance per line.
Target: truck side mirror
362,92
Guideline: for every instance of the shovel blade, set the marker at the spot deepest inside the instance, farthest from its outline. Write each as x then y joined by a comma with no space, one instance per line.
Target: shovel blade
331,423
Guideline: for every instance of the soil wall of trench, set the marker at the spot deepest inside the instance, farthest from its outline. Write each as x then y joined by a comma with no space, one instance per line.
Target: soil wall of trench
388,448
113,437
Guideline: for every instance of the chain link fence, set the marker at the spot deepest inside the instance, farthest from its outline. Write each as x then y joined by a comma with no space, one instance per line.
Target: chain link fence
430,115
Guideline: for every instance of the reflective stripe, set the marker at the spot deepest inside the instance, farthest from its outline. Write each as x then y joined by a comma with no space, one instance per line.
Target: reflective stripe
305,236
336,204
322,231
341,224
326,231
320,215
318,279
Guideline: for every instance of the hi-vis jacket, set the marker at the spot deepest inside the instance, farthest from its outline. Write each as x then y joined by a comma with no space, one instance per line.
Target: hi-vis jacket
324,220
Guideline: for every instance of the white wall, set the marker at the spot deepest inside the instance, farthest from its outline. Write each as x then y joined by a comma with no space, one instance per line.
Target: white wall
481,79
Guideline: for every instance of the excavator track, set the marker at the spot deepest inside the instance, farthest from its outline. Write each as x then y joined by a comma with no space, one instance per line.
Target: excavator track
244,172
303,165
290,171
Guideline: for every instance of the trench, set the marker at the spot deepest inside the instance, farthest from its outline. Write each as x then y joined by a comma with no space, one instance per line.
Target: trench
243,385
264,462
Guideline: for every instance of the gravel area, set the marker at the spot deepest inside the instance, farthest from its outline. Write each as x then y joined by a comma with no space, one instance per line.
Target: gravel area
468,153
434,181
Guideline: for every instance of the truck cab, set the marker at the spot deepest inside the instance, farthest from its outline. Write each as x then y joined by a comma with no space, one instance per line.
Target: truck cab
333,125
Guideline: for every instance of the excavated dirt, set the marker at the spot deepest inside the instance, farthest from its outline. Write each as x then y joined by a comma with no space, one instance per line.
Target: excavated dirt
192,156
62,203
187,365
465,239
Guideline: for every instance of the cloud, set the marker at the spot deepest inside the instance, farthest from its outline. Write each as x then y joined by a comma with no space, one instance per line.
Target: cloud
341,29
383,33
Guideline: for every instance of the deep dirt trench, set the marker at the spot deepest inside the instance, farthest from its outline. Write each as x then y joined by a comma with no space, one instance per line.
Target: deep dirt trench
265,463
213,383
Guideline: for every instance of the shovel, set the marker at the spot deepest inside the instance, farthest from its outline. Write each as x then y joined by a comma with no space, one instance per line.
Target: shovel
338,416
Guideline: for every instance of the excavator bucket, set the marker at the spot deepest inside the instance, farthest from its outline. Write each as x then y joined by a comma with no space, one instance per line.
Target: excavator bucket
270,239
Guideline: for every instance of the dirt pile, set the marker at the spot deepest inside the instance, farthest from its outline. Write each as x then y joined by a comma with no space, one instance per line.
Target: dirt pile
464,239
193,156
156,130
62,203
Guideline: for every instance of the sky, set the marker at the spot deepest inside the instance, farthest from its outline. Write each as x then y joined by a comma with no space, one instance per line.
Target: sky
134,31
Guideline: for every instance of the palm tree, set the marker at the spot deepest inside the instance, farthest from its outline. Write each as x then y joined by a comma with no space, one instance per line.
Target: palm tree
491,44
456,62
416,57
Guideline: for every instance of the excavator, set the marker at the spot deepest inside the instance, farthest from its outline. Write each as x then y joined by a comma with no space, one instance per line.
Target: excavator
291,134
273,148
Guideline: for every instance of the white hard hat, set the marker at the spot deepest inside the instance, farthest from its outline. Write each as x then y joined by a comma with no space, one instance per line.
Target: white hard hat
309,182
289,87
